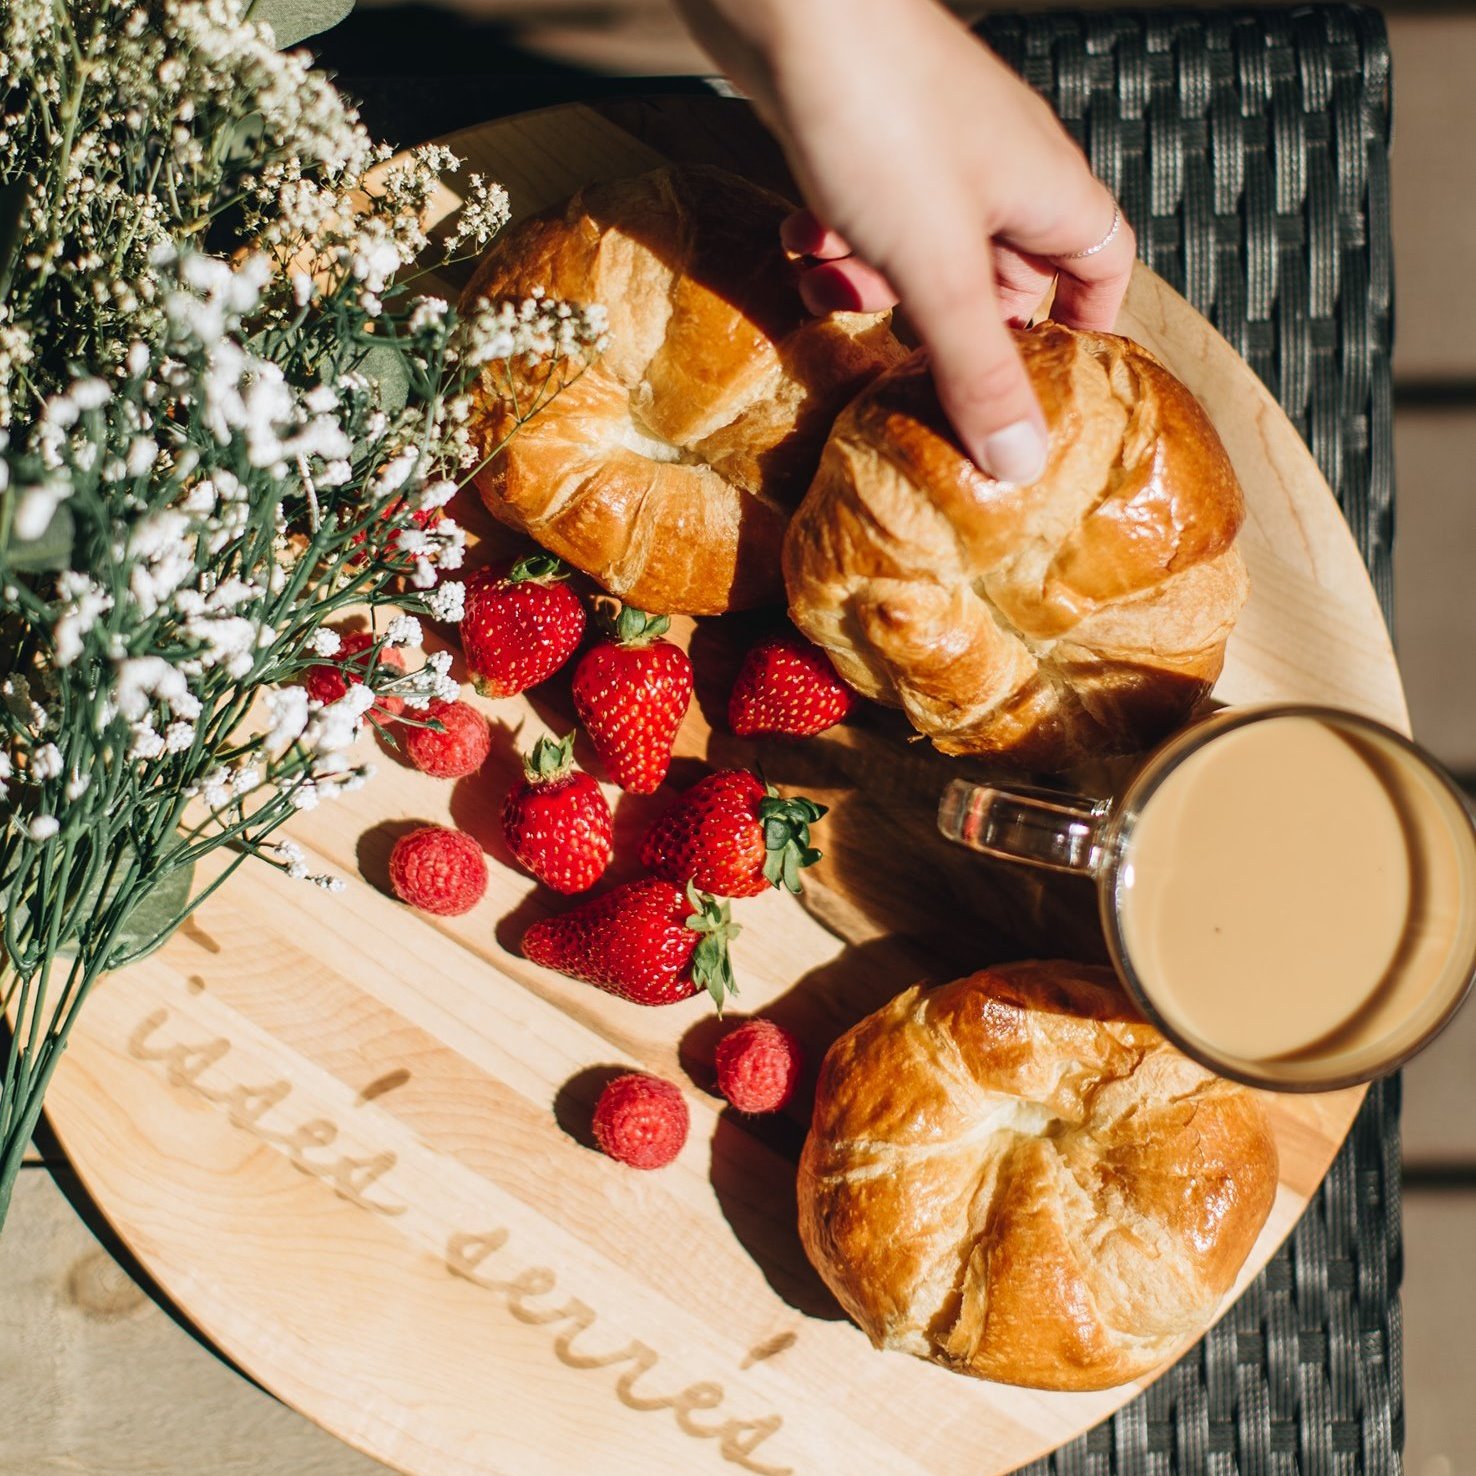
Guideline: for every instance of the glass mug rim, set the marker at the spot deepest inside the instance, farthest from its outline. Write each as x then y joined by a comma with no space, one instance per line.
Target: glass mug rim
1101,842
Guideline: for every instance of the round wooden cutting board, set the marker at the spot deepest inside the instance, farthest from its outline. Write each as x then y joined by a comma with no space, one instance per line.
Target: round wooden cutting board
352,1143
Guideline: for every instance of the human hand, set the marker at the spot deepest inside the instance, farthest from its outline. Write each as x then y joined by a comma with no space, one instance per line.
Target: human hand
935,177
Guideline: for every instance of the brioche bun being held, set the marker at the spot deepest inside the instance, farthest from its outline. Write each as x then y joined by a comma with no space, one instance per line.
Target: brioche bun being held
1015,1177
668,469
1083,614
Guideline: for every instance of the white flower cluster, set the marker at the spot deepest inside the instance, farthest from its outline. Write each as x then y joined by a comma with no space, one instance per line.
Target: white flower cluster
432,683
447,602
538,327
293,860
261,446
320,735
182,571
484,212
29,723
187,104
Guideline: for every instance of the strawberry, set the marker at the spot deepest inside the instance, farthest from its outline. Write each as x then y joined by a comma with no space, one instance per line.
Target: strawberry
649,942
631,693
787,686
733,835
351,663
521,626
556,821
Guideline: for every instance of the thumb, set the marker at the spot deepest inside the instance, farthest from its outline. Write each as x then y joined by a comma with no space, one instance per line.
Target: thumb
981,381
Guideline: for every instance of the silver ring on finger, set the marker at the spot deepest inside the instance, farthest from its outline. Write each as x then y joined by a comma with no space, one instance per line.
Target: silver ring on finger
1101,245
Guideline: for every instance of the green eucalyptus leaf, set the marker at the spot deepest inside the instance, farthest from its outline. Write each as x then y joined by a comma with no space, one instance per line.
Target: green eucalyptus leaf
242,139
385,366
154,915
50,550
293,21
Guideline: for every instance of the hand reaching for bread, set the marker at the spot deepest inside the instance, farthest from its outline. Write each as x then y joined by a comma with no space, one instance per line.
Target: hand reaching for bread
937,177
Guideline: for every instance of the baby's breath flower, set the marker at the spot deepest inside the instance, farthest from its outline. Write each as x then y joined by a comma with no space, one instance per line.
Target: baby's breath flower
288,709
143,451
147,743
432,683
36,505
484,213
84,603
448,601
215,787
46,763
224,491
90,394
403,630
435,494
428,312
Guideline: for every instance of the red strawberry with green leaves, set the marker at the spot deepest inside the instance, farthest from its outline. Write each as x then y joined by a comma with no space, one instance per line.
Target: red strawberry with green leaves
631,693
556,821
733,835
520,626
787,686
649,942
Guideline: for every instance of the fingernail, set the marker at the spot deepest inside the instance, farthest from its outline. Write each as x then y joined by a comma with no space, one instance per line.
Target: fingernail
826,290
799,233
1015,454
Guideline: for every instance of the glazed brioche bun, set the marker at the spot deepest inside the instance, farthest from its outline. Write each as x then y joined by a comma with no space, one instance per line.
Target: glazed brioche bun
1015,1177
1083,614
668,470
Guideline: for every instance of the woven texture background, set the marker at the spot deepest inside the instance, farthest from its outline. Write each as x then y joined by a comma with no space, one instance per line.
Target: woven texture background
1250,151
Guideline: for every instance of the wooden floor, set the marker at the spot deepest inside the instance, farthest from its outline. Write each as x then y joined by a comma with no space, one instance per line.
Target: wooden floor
100,1380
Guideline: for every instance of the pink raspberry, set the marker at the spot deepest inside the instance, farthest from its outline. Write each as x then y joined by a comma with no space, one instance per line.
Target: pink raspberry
438,870
641,1120
460,750
758,1066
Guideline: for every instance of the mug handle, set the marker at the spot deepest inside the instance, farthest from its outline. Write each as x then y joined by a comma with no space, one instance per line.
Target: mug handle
1041,827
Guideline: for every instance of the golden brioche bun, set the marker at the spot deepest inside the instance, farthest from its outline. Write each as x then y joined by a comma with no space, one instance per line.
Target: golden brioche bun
668,470
1083,614
1015,1177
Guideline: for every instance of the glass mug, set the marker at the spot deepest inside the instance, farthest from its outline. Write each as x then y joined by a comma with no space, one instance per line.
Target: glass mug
1288,892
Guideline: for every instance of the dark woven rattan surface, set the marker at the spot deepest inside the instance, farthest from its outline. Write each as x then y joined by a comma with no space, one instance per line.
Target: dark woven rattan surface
1250,151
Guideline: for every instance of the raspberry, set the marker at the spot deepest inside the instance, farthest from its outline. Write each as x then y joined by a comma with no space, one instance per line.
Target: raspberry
329,681
461,750
641,1120
758,1066
438,870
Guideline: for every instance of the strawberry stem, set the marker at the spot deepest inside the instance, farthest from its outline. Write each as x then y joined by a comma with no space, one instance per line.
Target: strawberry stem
541,568
550,759
712,968
787,845
633,627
